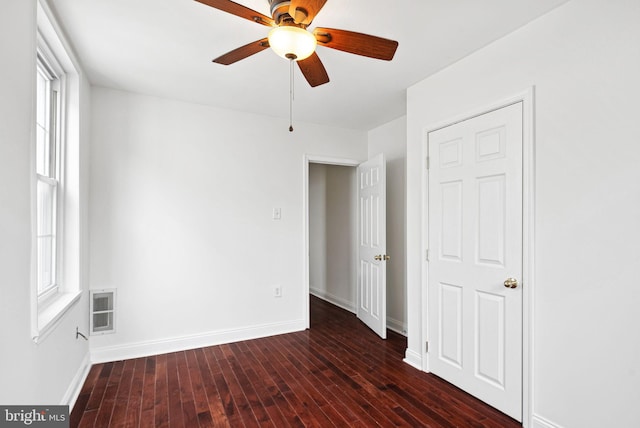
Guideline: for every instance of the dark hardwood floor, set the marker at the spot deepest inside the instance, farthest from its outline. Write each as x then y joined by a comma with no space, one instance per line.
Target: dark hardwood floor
338,373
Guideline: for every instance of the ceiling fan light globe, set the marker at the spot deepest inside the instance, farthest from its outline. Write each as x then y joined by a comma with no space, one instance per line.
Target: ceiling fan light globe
292,42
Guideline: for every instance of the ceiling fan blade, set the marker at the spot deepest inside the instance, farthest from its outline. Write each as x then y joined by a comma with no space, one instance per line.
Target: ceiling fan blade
239,10
303,11
243,52
313,70
356,43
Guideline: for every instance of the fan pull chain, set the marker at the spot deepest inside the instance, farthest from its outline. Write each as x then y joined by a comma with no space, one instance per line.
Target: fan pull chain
291,87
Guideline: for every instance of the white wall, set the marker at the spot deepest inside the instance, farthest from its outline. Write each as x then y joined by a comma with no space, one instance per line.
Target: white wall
51,371
317,229
333,234
181,206
391,139
584,61
341,218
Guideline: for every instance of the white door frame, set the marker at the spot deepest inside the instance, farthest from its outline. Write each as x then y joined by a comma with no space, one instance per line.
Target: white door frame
528,223
307,159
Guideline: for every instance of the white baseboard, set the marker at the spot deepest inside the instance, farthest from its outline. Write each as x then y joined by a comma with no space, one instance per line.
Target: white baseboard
413,358
333,299
175,344
73,391
540,422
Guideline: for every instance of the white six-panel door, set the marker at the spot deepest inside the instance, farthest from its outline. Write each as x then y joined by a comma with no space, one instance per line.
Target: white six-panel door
475,248
371,305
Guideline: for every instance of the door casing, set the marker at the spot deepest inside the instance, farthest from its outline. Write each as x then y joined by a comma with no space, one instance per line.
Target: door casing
528,223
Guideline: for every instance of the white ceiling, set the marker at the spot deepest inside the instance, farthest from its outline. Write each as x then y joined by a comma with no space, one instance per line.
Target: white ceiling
165,48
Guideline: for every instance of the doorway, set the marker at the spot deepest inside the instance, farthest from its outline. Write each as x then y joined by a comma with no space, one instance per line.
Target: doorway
368,273
308,161
332,234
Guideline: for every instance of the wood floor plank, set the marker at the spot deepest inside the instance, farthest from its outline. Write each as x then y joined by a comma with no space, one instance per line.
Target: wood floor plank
228,404
365,411
337,373
245,410
99,387
323,413
78,409
176,416
295,396
122,396
345,359
134,406
256,405
265,377
367,395
259,382
216,408
200,401
161,393
85,393
107,404
347,349
148,408
186,391
88,419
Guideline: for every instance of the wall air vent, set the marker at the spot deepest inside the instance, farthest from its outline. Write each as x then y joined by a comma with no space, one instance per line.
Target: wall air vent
102,311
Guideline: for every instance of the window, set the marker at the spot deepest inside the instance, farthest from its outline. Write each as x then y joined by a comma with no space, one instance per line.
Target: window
48,152
57,240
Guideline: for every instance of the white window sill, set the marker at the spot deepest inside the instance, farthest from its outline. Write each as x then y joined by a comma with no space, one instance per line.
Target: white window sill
50,316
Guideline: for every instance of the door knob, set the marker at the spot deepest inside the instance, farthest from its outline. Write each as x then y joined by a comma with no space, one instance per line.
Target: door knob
381,257
378,257
511,283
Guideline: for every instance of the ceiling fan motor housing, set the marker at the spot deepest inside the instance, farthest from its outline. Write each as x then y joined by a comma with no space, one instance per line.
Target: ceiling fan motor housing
280,13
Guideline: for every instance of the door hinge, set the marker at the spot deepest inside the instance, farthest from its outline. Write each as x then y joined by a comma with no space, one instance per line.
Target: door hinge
426,162
426,255
426,346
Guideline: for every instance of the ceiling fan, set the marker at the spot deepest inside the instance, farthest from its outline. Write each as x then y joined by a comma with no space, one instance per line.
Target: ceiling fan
290,38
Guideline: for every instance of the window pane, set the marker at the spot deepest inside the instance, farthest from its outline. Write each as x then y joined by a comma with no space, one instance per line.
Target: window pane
42,151
46,263
45,123
46,207
52,134
46,234
41,99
